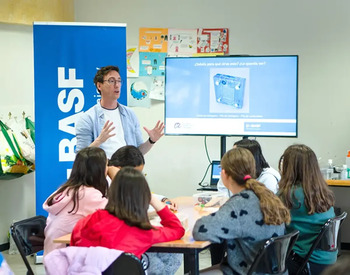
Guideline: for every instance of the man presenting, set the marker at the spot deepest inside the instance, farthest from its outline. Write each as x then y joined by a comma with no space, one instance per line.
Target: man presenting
109,124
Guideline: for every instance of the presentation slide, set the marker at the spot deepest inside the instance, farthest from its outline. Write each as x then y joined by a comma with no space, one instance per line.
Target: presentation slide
230,95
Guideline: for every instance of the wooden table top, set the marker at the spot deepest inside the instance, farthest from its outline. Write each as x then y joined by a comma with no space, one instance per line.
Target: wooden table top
338,182
185,208
64,239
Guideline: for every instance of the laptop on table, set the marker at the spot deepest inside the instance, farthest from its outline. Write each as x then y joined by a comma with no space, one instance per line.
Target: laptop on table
214,177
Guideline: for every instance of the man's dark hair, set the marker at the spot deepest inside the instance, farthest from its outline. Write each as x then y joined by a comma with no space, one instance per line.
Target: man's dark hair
101,74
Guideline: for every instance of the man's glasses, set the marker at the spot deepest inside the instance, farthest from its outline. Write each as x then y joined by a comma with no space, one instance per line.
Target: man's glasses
113,81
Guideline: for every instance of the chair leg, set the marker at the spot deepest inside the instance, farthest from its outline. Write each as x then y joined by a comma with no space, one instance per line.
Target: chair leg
338,211
217,253
21,252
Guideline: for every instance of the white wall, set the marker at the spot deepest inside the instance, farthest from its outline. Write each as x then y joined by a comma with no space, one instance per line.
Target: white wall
318,31
17,196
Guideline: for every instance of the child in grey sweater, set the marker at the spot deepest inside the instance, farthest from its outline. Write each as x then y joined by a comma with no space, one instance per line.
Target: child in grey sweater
252,215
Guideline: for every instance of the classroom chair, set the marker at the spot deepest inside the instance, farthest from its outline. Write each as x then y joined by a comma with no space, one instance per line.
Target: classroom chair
126,263
272,256
28,236
326,240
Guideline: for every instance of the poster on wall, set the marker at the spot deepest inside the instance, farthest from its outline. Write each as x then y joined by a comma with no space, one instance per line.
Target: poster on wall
64,68
155,44
132,61
152,64
213,41
182,42
153,40
157,88
139,92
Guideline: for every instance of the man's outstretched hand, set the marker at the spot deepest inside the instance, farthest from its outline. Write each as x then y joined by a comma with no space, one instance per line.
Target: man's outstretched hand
157,132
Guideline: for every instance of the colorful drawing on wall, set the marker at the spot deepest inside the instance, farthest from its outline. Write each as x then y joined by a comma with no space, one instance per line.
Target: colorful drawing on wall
132,62
182,42
153,40
152,64
213,41
139,92
157,88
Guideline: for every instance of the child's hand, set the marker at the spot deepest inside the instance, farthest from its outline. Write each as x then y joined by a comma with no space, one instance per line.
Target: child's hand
171,204
156,203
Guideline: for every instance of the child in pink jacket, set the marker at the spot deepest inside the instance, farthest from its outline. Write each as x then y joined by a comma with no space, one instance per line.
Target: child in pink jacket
84,192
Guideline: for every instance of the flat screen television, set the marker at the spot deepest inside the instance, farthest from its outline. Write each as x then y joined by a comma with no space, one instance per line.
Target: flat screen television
232,96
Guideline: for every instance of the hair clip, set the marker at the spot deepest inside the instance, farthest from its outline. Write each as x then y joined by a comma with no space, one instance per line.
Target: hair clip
247,177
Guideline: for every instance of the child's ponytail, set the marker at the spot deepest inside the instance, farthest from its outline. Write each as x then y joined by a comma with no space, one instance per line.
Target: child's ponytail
272,208
239,164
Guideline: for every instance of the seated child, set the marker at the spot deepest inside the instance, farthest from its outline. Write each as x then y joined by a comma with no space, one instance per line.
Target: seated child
124,223
305,192
251,215
130,155
264,173
82,194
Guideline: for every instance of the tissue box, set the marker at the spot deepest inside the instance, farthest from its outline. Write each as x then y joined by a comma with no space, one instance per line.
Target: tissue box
209,199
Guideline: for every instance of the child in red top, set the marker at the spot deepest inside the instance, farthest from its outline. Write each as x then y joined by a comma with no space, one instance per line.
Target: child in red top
124,223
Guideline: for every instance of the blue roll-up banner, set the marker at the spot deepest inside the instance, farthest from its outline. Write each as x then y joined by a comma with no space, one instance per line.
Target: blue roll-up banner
66,58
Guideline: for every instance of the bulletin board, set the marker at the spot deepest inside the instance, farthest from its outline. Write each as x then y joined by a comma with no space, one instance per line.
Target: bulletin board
146,62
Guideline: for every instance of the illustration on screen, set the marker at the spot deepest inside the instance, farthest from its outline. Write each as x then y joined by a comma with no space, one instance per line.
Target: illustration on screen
229,90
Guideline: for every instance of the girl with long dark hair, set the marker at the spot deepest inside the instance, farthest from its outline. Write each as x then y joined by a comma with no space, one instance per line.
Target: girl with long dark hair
84,192
305,192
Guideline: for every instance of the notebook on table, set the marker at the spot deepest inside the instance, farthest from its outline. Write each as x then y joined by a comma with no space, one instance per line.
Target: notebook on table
214,177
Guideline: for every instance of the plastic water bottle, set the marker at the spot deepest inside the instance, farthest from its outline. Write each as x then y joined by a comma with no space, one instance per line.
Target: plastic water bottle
330,169
348,165
344,172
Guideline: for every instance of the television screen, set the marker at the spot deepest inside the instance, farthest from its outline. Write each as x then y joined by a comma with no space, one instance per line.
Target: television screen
232,95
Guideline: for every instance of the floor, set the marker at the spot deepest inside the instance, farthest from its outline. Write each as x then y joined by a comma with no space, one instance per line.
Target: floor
17,265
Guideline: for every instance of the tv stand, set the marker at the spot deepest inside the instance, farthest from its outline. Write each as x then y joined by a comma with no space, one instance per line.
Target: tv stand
222,146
